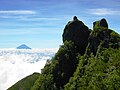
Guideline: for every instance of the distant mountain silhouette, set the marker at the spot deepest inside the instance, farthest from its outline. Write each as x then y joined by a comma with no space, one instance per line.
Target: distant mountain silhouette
23,46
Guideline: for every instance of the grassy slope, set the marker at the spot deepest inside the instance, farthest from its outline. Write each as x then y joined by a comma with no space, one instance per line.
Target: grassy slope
26,83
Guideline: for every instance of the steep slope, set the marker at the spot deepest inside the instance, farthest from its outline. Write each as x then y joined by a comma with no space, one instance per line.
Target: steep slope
99,68
99,73
57,72
64,64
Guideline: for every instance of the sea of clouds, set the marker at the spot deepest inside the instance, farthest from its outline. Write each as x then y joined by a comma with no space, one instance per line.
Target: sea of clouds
16,64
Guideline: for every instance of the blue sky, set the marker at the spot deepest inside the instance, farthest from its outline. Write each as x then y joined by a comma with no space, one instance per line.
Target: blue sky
40,23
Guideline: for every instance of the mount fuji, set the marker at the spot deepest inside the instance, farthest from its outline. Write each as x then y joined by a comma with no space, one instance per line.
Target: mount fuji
23,46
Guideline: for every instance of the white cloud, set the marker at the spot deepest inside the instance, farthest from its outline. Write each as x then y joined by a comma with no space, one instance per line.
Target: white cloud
103,11
28,17
40,18
21,31
17,64
12,17
18,12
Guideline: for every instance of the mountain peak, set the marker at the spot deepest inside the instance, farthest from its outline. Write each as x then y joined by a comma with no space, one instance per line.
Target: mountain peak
23,46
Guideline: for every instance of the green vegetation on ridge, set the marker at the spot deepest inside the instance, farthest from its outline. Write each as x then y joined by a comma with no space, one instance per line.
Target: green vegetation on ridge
57,72
99,73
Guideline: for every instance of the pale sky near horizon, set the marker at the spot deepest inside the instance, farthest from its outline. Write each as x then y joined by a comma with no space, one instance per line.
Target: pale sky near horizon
40,23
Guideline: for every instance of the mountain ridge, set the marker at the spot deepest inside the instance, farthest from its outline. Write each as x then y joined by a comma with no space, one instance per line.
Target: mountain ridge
87,60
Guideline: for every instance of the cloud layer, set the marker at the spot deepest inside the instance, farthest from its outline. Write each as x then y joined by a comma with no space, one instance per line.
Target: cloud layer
17,64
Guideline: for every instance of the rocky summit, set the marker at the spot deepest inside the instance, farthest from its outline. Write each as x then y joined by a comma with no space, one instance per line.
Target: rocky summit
101,23
102,35
77,32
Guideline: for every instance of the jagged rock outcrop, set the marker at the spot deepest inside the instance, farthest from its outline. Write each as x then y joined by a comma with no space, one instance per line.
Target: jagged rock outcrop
103,36
77,32
102,23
